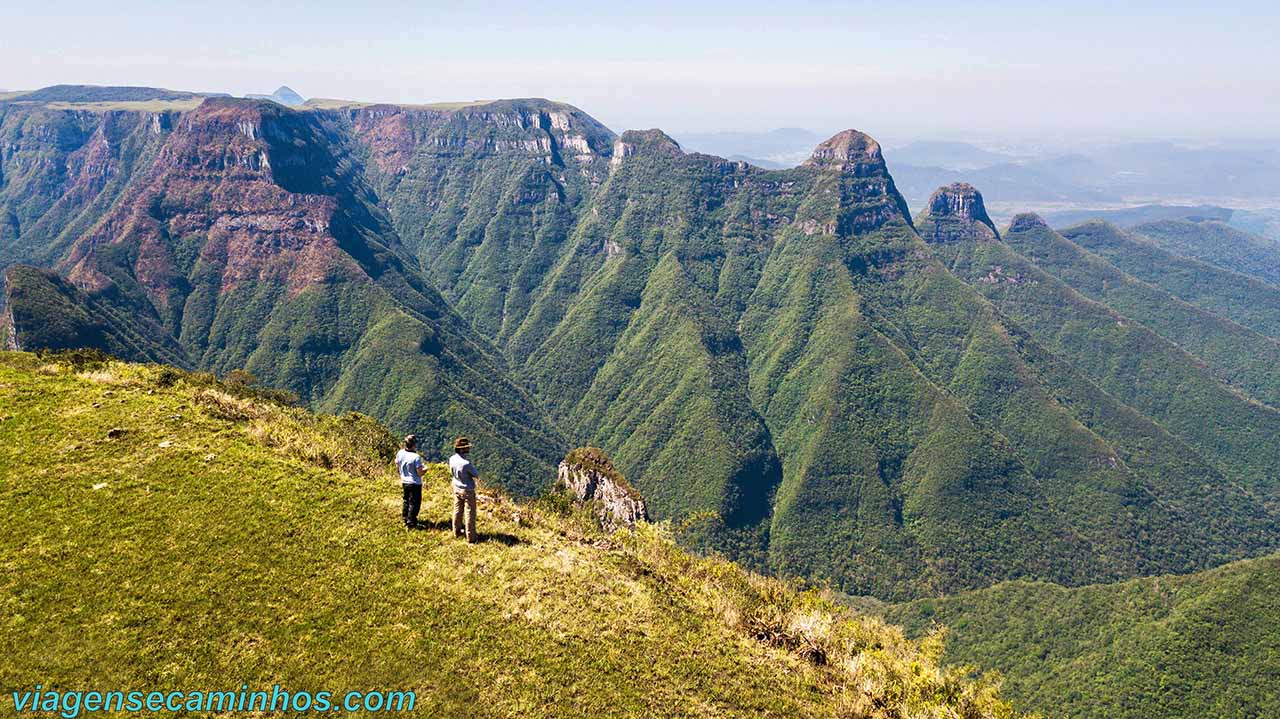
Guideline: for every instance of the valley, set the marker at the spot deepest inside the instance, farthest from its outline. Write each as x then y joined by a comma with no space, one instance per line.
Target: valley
941,415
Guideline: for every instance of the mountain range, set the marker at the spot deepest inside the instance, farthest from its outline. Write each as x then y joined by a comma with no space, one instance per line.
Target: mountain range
928,410
1068,182
832,388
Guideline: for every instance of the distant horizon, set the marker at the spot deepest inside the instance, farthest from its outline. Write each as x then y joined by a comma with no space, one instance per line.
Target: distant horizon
998,69
1047,139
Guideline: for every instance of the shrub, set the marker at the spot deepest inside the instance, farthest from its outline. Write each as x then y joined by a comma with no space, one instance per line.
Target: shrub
79,360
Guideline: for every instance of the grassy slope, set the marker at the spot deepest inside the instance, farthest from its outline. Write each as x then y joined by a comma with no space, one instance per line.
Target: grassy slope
1241,298
206,546
1219,245
1242,357
1179,647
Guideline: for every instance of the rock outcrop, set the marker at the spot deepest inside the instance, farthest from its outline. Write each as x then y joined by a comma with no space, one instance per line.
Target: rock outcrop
954,213
868,197
589,475
1027,221
849,150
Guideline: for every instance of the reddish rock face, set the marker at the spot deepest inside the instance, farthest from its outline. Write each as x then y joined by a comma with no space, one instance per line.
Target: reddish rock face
241,234
222,181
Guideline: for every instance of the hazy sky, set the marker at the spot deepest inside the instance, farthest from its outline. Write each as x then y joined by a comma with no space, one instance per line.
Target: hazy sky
961,69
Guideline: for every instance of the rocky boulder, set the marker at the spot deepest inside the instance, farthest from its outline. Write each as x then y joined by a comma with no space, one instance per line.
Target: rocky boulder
590,477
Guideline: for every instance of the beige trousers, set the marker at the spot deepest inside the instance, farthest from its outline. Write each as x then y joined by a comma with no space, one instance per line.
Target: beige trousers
464,500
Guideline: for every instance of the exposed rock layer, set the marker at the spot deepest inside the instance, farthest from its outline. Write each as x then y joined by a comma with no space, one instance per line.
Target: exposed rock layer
589,476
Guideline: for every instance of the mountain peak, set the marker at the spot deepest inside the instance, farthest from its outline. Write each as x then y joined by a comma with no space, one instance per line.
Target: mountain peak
846,150
1025,221
651,142
956,212
284,95
654,139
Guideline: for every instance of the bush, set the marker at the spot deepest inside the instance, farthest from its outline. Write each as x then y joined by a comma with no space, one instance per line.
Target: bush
79,360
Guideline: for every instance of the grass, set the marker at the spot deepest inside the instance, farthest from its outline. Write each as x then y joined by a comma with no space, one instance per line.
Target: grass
166,531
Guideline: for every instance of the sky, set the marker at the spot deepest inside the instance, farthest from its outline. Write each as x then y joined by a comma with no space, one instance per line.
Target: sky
896,69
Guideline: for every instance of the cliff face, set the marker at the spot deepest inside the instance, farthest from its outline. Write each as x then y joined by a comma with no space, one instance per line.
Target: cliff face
60,171
484,196
954,213
589,476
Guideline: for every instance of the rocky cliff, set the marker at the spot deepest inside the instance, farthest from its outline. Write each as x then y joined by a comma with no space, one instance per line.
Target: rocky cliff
956,212
590,477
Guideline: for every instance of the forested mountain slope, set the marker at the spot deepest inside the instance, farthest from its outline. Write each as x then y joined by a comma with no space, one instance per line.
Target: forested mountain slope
1219,245
819,384
1240,297
1241,357
1184,647
1123,357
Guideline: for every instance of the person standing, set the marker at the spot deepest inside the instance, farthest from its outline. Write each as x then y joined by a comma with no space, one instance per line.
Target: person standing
464,489
410,464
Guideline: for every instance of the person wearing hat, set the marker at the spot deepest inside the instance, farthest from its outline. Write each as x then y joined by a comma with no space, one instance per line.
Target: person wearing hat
464,489
411,467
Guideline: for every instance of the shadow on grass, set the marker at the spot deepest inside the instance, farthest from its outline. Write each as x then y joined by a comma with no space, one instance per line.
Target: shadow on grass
507,540
426,525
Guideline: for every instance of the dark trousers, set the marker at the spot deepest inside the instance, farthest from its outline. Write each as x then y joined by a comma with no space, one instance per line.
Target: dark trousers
412,503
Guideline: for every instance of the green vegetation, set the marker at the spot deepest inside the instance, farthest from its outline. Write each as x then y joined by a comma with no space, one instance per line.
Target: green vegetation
367,334
776,359
165,531
1123,357
1243,358
99,93
1218,245
49,313
1241,298
1203,645
788,368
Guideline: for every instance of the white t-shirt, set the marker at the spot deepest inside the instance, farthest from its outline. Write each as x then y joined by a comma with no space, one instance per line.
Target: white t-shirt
463,471
411,466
